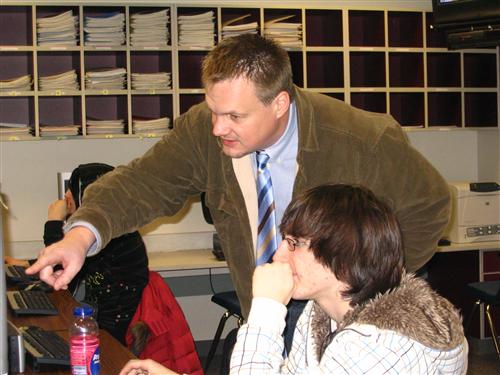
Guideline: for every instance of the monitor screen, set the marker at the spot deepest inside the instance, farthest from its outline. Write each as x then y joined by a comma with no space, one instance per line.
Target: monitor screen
468,12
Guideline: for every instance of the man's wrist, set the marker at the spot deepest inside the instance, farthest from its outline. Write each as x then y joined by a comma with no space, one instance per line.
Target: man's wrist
94,246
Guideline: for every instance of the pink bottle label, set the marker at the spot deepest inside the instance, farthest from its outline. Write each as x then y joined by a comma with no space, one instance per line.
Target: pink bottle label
84,355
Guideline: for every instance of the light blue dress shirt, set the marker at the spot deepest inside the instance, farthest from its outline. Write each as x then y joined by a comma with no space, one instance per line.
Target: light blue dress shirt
283,165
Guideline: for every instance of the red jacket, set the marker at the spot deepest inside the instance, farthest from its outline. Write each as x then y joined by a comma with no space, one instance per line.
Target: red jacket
170,342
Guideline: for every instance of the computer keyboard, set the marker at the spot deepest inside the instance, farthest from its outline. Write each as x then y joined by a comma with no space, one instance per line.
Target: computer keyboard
16,274
45,347
31,302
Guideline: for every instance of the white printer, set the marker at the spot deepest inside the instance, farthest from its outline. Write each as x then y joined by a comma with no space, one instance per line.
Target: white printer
475,213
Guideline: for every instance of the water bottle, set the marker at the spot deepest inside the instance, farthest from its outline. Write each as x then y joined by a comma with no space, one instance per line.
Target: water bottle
84,342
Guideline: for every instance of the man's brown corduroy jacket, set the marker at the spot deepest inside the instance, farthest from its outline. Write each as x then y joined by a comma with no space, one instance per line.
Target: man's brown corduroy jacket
337,144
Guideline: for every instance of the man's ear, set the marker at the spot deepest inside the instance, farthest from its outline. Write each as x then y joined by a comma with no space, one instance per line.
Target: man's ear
282,103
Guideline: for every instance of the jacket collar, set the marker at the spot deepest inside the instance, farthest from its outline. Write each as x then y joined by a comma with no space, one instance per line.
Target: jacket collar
412,309
306,123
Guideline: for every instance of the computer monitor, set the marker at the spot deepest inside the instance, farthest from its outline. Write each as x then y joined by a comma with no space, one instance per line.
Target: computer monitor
4,361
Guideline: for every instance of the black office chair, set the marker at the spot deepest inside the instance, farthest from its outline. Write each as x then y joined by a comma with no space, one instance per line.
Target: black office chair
228,300
487,292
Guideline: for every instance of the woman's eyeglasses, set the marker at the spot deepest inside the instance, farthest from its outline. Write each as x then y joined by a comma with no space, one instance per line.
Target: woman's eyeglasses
293,243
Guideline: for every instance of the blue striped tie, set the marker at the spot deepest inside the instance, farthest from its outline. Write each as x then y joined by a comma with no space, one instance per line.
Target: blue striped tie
266,234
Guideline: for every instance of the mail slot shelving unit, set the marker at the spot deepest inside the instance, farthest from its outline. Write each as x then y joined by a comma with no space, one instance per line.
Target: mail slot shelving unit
383,60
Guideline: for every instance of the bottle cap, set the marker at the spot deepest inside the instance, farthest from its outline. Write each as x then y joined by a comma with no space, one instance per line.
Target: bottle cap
83,311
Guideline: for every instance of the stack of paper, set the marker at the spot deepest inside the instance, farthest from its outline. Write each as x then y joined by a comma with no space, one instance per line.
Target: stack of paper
197,30
61,29
63,81
234,27
110,79
22,83
150,126
151,81
105,126
288,34
14,130
149,29
105,30
58,130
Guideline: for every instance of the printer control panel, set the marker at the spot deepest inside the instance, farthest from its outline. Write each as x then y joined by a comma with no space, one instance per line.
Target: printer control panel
485,230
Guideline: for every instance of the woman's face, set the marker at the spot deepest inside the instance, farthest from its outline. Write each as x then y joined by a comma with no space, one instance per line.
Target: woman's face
70,202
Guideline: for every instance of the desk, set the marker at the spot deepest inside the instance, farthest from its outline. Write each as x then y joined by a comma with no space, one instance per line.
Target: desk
113,354
184,260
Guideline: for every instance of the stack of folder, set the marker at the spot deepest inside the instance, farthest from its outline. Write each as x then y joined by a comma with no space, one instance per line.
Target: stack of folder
234,27
288,34
59,130
151,81
149,29
61,30
150,126
63,81
197,30
22,83
109,79
14,129
105,126
105,30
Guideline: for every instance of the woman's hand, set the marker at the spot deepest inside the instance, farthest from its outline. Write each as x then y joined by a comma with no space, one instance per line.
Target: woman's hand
275,281
145,366
58,210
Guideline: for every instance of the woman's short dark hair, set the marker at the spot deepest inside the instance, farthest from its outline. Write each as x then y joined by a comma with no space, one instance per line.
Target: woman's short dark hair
353,233
260,60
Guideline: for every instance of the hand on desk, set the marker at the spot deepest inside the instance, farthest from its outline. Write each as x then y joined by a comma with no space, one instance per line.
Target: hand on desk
145,366
70,252
16,262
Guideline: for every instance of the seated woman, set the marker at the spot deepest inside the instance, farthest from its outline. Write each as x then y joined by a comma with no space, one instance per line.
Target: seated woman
342,250
111,281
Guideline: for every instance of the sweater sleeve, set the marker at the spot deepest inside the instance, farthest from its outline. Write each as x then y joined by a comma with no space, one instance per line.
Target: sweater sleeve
259,345
153,185
53,232
419,195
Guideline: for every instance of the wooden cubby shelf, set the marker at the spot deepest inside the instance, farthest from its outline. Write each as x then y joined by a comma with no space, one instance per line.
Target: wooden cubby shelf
383,60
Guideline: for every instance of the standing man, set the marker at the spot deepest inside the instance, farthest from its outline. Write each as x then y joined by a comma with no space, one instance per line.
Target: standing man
253,108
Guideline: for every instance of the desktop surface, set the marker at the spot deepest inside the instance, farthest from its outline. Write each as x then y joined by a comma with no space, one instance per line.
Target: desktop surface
113,354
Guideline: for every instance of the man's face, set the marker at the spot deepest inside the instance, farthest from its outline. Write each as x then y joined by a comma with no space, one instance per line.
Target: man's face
312,279
241,121
70,202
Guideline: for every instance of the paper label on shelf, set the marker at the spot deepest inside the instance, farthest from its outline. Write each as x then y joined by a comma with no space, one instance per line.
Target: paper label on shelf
402,49
151,48
109,136
14,93
152,92
9,48
58,93
102,47
60,48
104,92
366,48
13,138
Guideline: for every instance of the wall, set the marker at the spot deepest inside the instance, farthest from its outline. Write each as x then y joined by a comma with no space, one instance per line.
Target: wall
28,181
